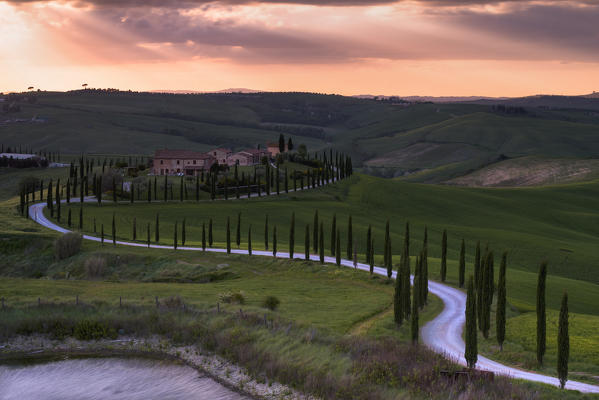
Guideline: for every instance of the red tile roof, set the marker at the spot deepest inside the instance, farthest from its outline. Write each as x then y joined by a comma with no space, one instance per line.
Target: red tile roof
181,154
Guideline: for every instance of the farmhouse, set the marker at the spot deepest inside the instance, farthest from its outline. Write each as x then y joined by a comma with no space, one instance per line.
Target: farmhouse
187,162
221,154
247,157
172,162
273,148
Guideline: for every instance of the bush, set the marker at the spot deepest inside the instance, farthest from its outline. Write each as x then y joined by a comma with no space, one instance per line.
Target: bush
271,302
93,330
173,302
231,297
67,245
95,267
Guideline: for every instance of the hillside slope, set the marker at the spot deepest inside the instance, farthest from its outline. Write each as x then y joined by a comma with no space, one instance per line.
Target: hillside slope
423,142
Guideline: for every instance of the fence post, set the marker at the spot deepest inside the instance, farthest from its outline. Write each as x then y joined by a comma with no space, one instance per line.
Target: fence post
218,307
156,301
120,301
39,302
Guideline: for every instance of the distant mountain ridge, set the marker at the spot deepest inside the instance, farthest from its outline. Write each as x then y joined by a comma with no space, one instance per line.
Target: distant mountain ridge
230,90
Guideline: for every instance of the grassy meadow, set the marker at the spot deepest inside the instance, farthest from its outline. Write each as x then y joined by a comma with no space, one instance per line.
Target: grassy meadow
556,223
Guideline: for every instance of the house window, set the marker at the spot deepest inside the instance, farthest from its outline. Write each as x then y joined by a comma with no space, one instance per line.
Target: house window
161,161
177,162
194,162
162,171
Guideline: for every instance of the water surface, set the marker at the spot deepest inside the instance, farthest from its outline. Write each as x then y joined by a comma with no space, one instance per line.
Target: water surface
109,379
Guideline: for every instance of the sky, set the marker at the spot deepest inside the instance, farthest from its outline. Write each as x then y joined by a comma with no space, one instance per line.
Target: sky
349,47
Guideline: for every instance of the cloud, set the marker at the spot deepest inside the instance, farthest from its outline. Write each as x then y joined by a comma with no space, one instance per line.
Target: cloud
264,33
326,3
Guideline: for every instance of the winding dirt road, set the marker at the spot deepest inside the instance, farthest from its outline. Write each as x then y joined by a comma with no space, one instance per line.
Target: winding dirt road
442,334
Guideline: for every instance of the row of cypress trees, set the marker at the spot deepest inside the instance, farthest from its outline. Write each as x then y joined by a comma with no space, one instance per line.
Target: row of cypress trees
479,297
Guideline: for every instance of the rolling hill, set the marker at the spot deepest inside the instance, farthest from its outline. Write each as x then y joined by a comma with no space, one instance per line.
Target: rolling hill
421,142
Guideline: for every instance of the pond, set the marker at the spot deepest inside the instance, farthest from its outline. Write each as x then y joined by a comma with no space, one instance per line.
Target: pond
110,379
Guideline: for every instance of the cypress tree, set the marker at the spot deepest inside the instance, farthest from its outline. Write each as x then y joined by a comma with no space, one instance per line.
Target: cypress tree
371,256
398,306
210,237
368,243
292,235
68,191
405,280
286,181
203,236
424,282
477,266
274,241
471,352
489,290
155,188
480,291
134,229
444,256
321,243
250,240
563,343
388,260
157,228
278,180
415,305
197,188
183,233
94,224
175,237
462,271
350,239
238,231
165,188
58,200
333,237
501,303
99,190
82,191
228,235
541,317
338,248
113,190
102,234
49,202
148,237
307,242
315,234
113,230
266,233
68,218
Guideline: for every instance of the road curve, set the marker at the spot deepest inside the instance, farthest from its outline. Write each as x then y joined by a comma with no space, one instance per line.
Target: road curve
443,334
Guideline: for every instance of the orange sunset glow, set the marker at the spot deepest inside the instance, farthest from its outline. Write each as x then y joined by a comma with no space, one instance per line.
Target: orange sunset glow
426,47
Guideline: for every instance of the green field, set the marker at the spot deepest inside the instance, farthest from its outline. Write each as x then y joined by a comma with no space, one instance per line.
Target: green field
555,223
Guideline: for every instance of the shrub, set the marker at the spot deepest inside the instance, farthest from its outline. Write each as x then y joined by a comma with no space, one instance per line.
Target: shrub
173,302
67,245
93,330
95,267
271,302
232,297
